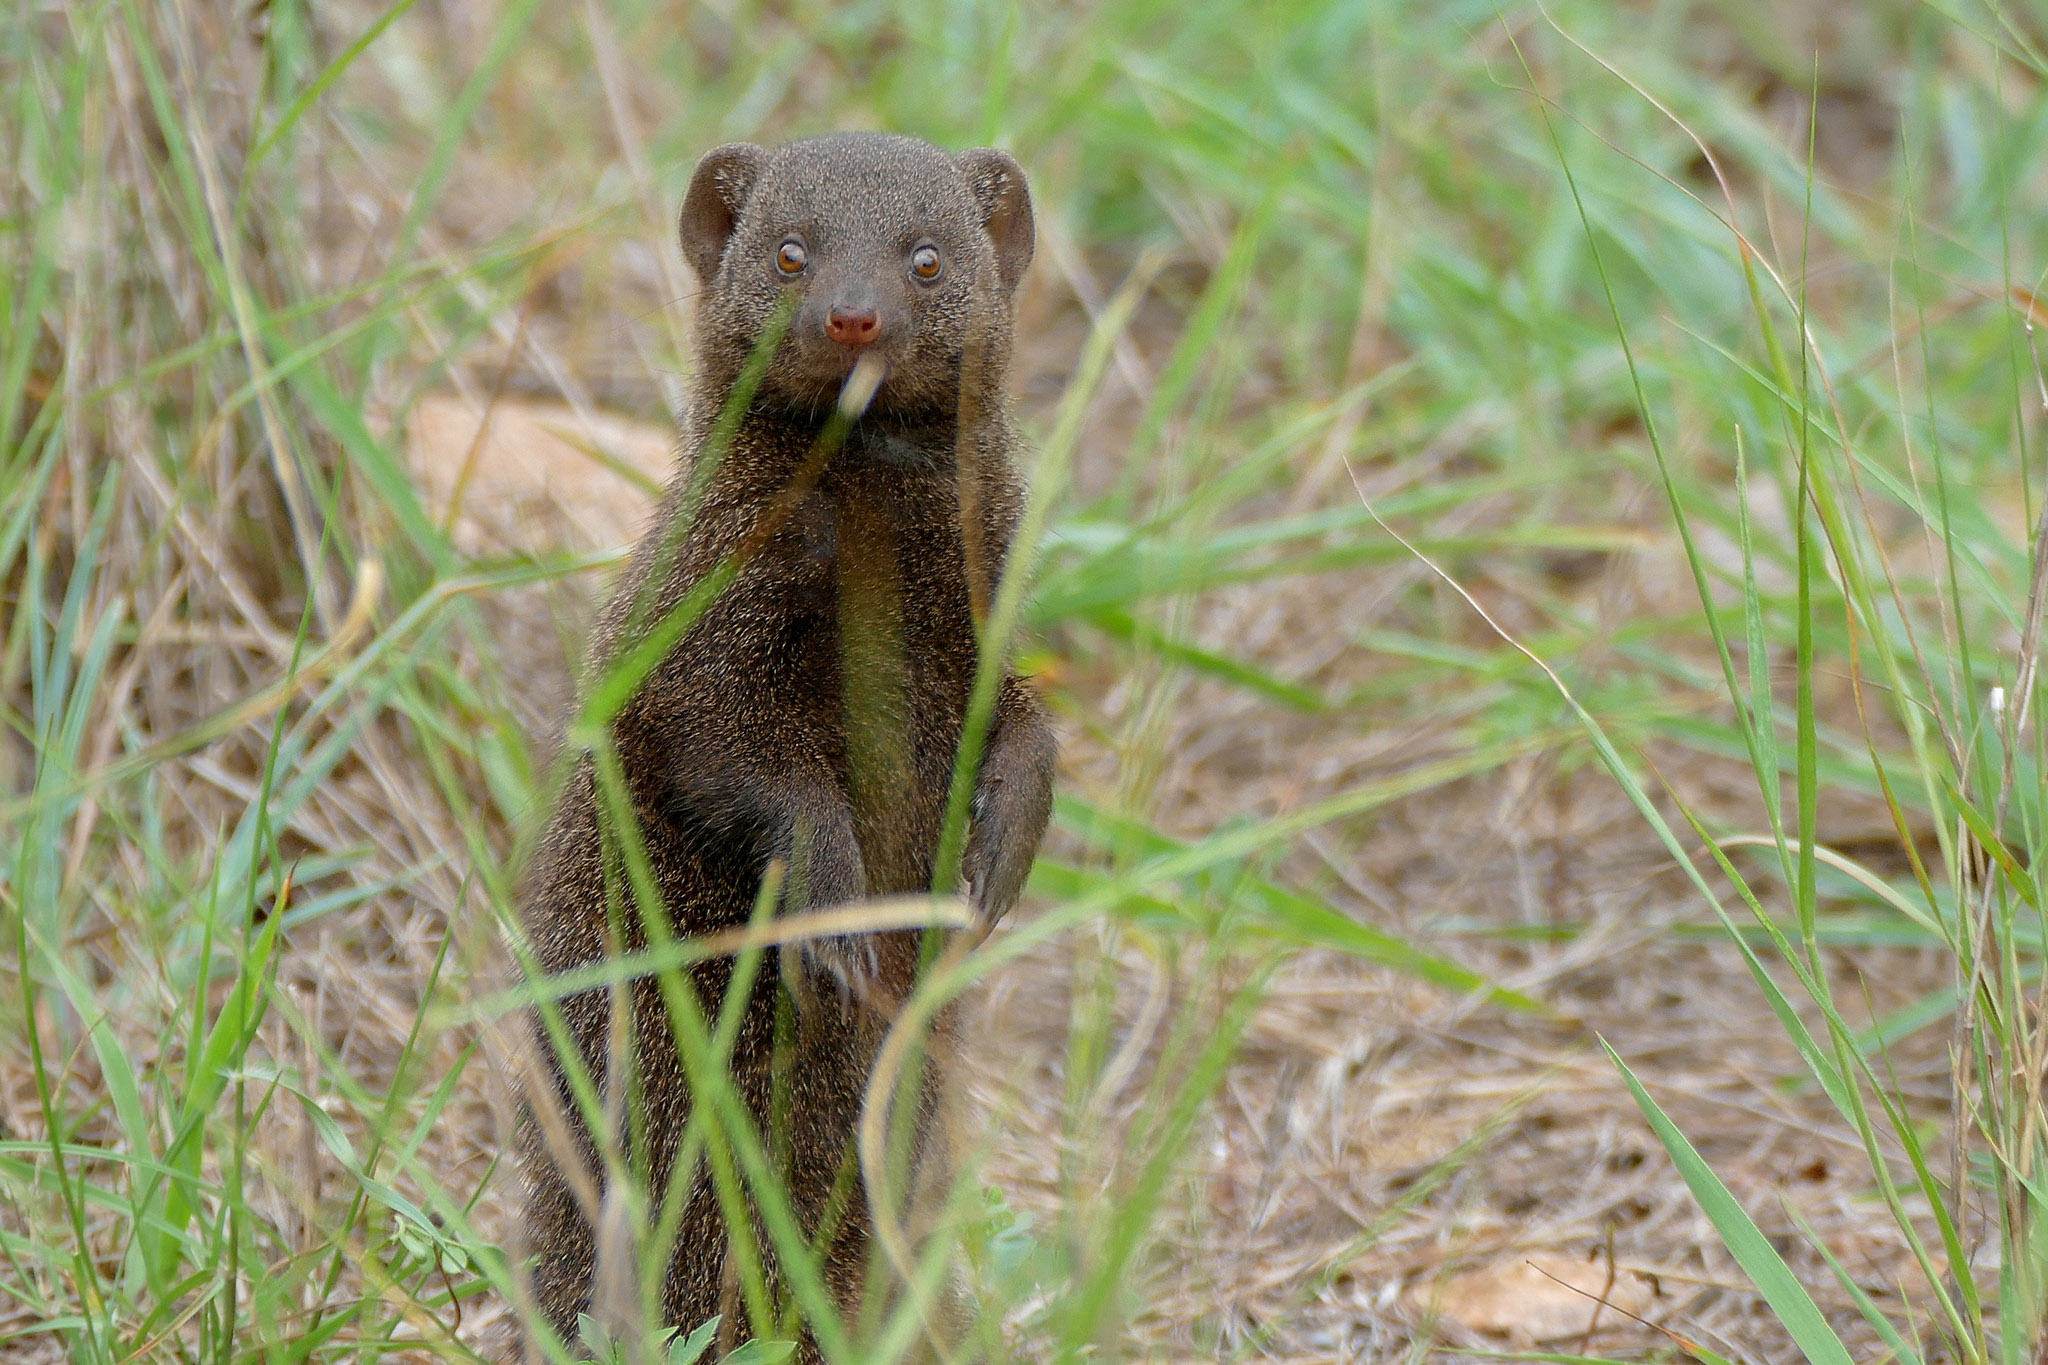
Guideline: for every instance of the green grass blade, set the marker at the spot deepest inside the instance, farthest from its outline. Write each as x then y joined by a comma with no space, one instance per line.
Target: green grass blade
1739,1233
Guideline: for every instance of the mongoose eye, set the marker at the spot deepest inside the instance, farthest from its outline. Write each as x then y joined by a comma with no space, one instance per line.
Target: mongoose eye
924,262
790,257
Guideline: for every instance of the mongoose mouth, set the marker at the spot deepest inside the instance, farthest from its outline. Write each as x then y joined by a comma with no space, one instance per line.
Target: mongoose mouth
831,367
819,380
862,381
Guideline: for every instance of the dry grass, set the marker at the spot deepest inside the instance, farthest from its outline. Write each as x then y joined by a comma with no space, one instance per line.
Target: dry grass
1426,1150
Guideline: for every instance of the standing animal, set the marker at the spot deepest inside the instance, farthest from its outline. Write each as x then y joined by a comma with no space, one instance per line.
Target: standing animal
810,715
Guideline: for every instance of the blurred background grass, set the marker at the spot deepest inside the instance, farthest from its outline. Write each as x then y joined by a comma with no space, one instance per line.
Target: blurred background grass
1483,346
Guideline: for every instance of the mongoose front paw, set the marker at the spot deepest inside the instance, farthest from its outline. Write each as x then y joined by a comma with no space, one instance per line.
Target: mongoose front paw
847,964
994,876
1012,801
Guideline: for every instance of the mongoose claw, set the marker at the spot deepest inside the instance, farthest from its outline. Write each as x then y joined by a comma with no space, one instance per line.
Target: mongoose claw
848,961
994,882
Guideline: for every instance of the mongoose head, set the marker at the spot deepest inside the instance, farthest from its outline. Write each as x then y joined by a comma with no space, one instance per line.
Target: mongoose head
885,246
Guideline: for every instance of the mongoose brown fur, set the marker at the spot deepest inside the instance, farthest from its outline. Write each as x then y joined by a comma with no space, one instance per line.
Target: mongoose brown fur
812,713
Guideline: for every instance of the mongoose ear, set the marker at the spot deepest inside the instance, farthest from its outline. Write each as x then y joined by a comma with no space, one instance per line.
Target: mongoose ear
997,183
719,186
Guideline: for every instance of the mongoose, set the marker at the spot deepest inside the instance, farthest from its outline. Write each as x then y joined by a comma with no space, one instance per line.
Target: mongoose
810,716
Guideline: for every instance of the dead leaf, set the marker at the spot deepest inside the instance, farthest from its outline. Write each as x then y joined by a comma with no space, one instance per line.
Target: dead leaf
541,477
1536,1298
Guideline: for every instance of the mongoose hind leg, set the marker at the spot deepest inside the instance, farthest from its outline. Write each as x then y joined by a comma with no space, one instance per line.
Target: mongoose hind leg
555,1225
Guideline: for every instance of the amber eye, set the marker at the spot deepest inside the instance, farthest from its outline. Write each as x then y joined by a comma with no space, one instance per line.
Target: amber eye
924,262
790,257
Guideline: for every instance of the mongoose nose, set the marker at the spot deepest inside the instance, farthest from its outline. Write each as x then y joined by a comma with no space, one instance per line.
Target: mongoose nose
851,328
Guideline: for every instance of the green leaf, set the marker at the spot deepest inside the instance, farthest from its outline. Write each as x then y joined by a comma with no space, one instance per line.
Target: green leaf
685,1350
592,1334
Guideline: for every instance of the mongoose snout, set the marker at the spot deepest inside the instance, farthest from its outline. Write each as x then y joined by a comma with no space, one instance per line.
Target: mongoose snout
853,327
